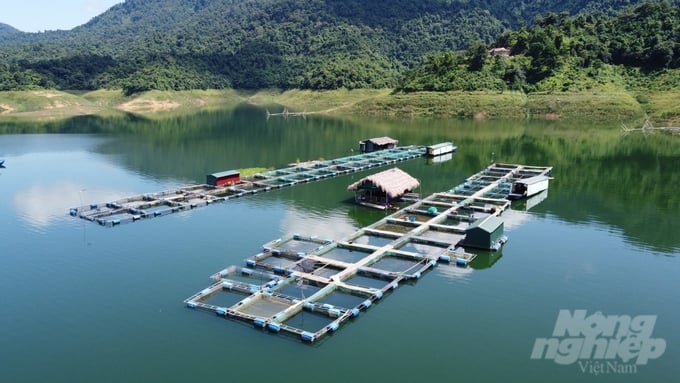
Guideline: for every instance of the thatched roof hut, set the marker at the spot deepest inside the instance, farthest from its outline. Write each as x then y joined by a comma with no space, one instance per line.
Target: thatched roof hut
381,188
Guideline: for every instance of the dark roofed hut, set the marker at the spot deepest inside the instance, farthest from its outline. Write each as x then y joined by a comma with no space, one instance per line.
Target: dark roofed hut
381,189
485,233
377,143
223,178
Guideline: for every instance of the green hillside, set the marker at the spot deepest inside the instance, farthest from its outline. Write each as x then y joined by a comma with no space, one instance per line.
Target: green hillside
636,48
142,45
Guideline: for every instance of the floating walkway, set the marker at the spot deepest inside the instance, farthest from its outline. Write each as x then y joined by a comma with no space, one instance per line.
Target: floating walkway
308,287
158,204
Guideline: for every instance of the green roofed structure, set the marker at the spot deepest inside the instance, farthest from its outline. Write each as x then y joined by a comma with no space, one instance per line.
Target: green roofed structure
485,233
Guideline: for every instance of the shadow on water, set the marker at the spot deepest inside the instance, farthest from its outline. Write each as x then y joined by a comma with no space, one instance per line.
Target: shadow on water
485,259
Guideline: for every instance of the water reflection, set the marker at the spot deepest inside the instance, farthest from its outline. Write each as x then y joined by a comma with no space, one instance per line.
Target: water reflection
333,225
454,273
515,218
625,182
42,204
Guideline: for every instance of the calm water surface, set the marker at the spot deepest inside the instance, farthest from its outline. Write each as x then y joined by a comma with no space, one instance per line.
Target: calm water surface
83,303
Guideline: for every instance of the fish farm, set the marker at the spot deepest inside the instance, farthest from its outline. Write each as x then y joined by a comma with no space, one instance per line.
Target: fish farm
331,281
158,204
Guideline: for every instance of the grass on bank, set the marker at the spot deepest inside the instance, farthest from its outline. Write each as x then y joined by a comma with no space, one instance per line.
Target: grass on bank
327,101
53,105
478,105
606,103
662,106
587,105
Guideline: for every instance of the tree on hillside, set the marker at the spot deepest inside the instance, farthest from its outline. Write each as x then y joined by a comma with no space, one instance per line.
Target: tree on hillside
476,56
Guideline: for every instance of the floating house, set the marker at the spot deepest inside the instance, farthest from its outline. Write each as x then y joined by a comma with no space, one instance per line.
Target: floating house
223,178
527,187
441,149
485,233
378,143
381,189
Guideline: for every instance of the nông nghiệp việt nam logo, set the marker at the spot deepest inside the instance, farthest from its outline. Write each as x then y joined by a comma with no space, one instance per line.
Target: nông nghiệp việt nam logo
601,343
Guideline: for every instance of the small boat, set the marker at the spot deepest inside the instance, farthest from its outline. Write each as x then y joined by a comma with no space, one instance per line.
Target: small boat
527,187
2,162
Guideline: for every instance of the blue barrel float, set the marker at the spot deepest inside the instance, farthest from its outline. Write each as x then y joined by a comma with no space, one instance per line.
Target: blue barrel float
333,326
307,336
444,258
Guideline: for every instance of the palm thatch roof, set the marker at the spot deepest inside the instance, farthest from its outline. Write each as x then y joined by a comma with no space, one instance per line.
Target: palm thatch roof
393,182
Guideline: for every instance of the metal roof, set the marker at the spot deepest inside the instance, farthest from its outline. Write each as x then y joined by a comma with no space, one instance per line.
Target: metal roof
394,182
226,173
531,180
440,145
382,140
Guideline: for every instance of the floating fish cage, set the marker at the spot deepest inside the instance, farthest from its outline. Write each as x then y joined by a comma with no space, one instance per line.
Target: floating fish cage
394,263
347,253
192,196
396,226
298,306
369,279
323,173
315,286
446,199
443,233
373,238
425,246
275,183
308,287
297,243
413,215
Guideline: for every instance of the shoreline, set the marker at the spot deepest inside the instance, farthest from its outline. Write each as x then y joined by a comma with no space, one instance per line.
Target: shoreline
598,105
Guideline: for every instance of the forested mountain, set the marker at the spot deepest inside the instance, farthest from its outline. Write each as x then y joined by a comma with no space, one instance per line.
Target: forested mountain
6,31
319,44
560,52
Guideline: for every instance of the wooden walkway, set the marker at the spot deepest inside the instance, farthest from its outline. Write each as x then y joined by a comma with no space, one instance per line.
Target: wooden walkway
361,268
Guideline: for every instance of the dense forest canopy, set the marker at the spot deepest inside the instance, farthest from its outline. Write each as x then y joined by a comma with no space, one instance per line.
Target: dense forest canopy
327,44
560,52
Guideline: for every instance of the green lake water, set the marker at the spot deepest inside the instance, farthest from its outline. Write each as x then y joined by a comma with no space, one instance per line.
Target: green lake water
84,303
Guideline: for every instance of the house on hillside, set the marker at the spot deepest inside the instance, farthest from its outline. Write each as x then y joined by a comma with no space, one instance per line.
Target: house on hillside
499,52
380,190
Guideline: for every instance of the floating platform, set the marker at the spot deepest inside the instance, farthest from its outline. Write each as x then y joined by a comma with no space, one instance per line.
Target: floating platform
308,286
441,149
158,204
